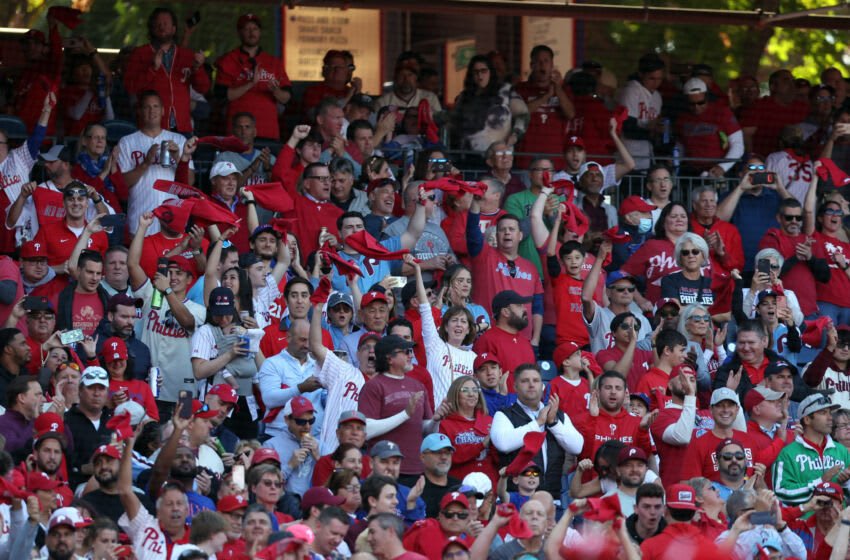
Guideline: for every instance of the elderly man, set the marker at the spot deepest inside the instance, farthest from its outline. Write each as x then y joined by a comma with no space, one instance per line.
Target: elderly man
752,356
314,211
386,531
724,240
533,512
775,534
406,91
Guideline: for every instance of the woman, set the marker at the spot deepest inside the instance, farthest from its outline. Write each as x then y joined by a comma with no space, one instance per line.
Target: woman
657,257
831,367
455,292
66,385
447,357
689,285
266,485
343,193
348,456
98,168
695,323
101,539
375,167
468,428
80,96
115,359
345,483
711,519
841,426
235,279
773,262
487,111
431,165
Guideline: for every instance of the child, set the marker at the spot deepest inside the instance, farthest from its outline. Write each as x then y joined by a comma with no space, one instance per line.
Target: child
527,483
670,347
572,388
567,290
639,404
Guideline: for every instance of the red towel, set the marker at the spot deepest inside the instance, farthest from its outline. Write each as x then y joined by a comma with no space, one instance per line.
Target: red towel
120,424
368,246
69,17
180,190
175,212
344,267
272,196
616,238
621,113
427,126
532,444
320,294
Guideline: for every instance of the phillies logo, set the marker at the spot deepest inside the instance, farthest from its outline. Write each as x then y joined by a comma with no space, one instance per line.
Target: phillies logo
54,427
613,428
37,246
114,346
351,391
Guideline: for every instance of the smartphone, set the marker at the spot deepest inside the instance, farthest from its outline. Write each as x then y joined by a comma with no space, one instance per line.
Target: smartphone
763,518
162,266
341,354
441,165
185,399
239,476
113,220
763,266
71,42
763,178
71,337
193,20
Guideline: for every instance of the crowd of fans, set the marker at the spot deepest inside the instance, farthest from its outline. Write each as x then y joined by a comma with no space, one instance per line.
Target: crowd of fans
345,349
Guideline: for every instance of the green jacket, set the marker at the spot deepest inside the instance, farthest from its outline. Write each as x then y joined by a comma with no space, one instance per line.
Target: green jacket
799,467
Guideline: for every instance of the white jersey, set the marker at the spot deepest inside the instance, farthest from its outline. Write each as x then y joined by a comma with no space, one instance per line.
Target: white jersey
27,225
15,171
265,301
149,541
645,106
795,175
445,362
343,382
132,150
169,343
837,381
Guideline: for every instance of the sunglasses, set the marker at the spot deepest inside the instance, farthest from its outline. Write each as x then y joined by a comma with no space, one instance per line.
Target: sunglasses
697,103
76,192
502,153
690,252
72,365
272,483
844,345
833,212
91,375
821,99
792,218
626,326
738,456
621,289
408,351
455,514
470,390
756,167
701,318
304,421
531,473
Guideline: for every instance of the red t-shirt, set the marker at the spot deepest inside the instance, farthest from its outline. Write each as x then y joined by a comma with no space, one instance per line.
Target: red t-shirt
511,349
769,118
700,134
138,391
569,326
550,315
591,124
70,96
574,397
837,290
546,127
654,260
87,311
427,537
799,278
237,68
642,361
157,245
311,217
655,378
622,426
60,241
421,375
701,458
672,456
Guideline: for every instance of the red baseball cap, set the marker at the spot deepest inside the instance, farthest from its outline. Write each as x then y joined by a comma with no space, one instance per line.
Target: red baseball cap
371,297
108,450
41,481
232,502
631,453
573,141
113,349
830,490
635,203
296,406
320,496
201,410
681,496
367,336
758,395
182,263
48,422
564,351
454,497
225,393
485,358
248,18
34,250
264,454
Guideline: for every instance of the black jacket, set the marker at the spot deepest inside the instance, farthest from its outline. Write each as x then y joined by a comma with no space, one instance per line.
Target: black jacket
64,314
86,439
138,352
555,455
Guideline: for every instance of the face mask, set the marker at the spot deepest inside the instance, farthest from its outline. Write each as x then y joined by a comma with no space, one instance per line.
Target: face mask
645,225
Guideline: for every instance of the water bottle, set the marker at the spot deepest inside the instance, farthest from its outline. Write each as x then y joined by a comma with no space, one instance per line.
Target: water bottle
154,375
101,91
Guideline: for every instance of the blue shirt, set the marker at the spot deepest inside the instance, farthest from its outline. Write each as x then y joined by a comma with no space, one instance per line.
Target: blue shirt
373,270
753,216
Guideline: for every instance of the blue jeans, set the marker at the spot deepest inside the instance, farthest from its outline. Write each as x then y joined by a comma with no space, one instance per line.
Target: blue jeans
839,315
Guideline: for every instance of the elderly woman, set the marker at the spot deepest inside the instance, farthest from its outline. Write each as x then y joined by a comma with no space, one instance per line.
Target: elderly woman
841,426
771,281
707,345
689,285
712,521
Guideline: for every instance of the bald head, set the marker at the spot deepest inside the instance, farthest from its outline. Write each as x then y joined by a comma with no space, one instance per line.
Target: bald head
535,515
297,339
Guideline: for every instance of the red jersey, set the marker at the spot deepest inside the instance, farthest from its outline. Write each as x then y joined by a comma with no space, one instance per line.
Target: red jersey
427,538
837,290
672,456
701,458
467,436
511,349
642,361
655,378
236,69
769,118
654,260
138,391
493,274
799,278
679,540
60,241
574,395
731,238
622,426
546,126
287,168
314,94
311,216
701,134
591,124
157,245
569,326
72,96
172,84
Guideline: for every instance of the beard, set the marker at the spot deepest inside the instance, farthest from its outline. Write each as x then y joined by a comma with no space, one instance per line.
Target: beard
60,554
518,322
106,479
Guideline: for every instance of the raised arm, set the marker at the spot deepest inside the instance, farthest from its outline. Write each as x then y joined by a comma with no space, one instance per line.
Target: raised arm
539,231
416,225
251,204
588,288
162,466
316,346
810,202
727,206
137,275
284,259
82,243
211,277
627,162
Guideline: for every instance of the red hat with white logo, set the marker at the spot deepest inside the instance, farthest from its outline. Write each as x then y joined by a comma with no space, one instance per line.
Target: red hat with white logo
232,502
452,498
34,250
203,411
681,496
631,453
371,297
108,450
41,481
113,350
226,393
296,406
264,454
48,422
564,351
485,358
573,141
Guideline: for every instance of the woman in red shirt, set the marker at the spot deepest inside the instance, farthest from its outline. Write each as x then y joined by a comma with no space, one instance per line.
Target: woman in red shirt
114,356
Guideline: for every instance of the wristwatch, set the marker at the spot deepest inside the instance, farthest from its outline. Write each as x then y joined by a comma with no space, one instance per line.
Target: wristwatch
168,291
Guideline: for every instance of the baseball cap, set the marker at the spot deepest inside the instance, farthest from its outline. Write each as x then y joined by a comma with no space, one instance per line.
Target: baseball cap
69,516
530,466
136,411
203,411
224,392
371,297
58,153
351,416
33,250
94,375
616,276
644,398
48,422
769,540
694,86
454,541
830,490
758,395
319,496
666,301
296,406
635,203
385,449
815,403
587,166
485,358
41,481
362,100
480,483
113,349
221,302
108,450
681,496
223,169
248,18
231,502
728,441
436,442
777,367
724,394
40,304
764,294
366,337
452,498
125,300
247,260
264,454
631,453
263,228
391,343
564,351
182,263
337,298
506,298
573,141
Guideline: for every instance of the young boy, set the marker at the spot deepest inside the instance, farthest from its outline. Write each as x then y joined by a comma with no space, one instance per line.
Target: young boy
567,292
572,389
527,483
639,404
670,348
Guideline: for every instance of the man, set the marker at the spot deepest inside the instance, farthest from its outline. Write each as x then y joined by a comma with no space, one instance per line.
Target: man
792,162
519,205
436,453
313,209
724,240
116,275
351,430
174,238
805,262
41,325
330,531
406,92
670,348
767,416
575,156
37,277
120,322
61,538
296,296
340,317
83,304
24,398
296,442
533,512
386,531
255,80
385,459
643,101
751,360
168,69
224,190
105,463
764,120
631,471
674,426
336,74
648,519
731,468
374,316
15,354
833,78
254,164
222,398
380,196
429,536
169,319
329,122
774,535
701,129
680,535
528,415
827,502
313,502
138,157
378,495
287,375
624,356
549,106
813,457
504,339
85,423
499,158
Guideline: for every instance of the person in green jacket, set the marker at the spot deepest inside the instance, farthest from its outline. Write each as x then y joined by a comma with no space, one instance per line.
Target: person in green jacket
813,457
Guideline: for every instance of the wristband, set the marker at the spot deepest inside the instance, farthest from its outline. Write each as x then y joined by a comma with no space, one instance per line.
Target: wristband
845,522
98,201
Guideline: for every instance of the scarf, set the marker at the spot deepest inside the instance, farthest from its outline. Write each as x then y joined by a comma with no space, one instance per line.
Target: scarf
94,168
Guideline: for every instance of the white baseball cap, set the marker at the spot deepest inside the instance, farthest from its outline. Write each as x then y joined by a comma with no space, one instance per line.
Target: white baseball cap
694,86
223,169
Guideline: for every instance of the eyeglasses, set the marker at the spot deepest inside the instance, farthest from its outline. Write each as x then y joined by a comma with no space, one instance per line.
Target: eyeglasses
479,71
470,390
626,326
352,488
669,314
75,191
408,351
756,167
304,421
701,318
502,153
822,99
837,427
792,217
271,483
621,289
512,270
322,178
668,180
455,514
833,212
690,252
532,473
72,365
737,456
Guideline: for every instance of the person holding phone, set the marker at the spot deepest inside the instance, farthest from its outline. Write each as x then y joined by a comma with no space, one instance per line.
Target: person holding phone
827,504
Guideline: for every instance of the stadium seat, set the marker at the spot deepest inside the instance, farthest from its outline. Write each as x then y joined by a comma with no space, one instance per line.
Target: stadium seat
117,129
